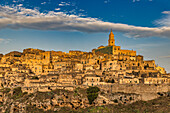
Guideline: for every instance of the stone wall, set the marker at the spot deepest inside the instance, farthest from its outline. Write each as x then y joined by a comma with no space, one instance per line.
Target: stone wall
147,92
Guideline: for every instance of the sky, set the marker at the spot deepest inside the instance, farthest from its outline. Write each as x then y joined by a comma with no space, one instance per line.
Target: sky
63,25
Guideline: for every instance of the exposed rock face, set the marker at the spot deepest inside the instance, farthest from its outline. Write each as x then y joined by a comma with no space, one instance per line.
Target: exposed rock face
115,98
147,92
45,100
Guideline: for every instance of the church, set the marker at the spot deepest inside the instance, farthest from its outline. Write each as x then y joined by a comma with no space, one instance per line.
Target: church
113,49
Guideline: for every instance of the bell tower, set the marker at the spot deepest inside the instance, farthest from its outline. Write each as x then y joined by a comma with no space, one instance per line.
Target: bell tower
111,41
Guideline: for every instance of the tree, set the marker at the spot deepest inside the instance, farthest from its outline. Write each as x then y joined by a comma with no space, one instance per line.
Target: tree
92,93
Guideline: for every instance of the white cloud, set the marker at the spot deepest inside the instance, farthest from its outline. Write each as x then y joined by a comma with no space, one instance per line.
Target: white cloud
164,21
43,3
64,4
57,9
15,1
61,4
15,18
20,5
166,12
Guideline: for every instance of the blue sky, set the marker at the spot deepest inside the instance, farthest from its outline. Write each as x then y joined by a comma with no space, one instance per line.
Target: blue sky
141,25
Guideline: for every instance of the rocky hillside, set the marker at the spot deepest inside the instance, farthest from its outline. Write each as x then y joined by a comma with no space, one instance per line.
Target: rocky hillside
160,105
79,100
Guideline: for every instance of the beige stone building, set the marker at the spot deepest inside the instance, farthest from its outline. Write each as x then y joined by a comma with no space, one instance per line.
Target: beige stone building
129,81
155,80
91,80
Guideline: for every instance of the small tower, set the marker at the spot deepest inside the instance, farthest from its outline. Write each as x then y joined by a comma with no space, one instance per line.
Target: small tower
111,41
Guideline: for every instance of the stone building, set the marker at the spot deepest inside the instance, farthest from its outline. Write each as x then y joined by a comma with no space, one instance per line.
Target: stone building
113,49
91,80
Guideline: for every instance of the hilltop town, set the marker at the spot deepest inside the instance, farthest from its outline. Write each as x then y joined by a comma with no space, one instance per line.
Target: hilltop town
64,77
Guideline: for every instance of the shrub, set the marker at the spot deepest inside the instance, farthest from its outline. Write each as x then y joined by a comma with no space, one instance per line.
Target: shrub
92,93
102,93
17,93
115,101
35,77
6,90
131,98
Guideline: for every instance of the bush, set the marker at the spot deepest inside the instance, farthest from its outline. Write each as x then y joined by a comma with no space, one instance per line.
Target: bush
17,90
92,93
102,93
35,77
115,101
17,93
131,98
6,90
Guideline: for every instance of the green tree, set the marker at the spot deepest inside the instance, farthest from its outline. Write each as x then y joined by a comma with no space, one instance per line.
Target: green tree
92,93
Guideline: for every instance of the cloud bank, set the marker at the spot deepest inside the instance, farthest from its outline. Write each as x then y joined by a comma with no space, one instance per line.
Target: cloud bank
165,56
2,40
19,17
